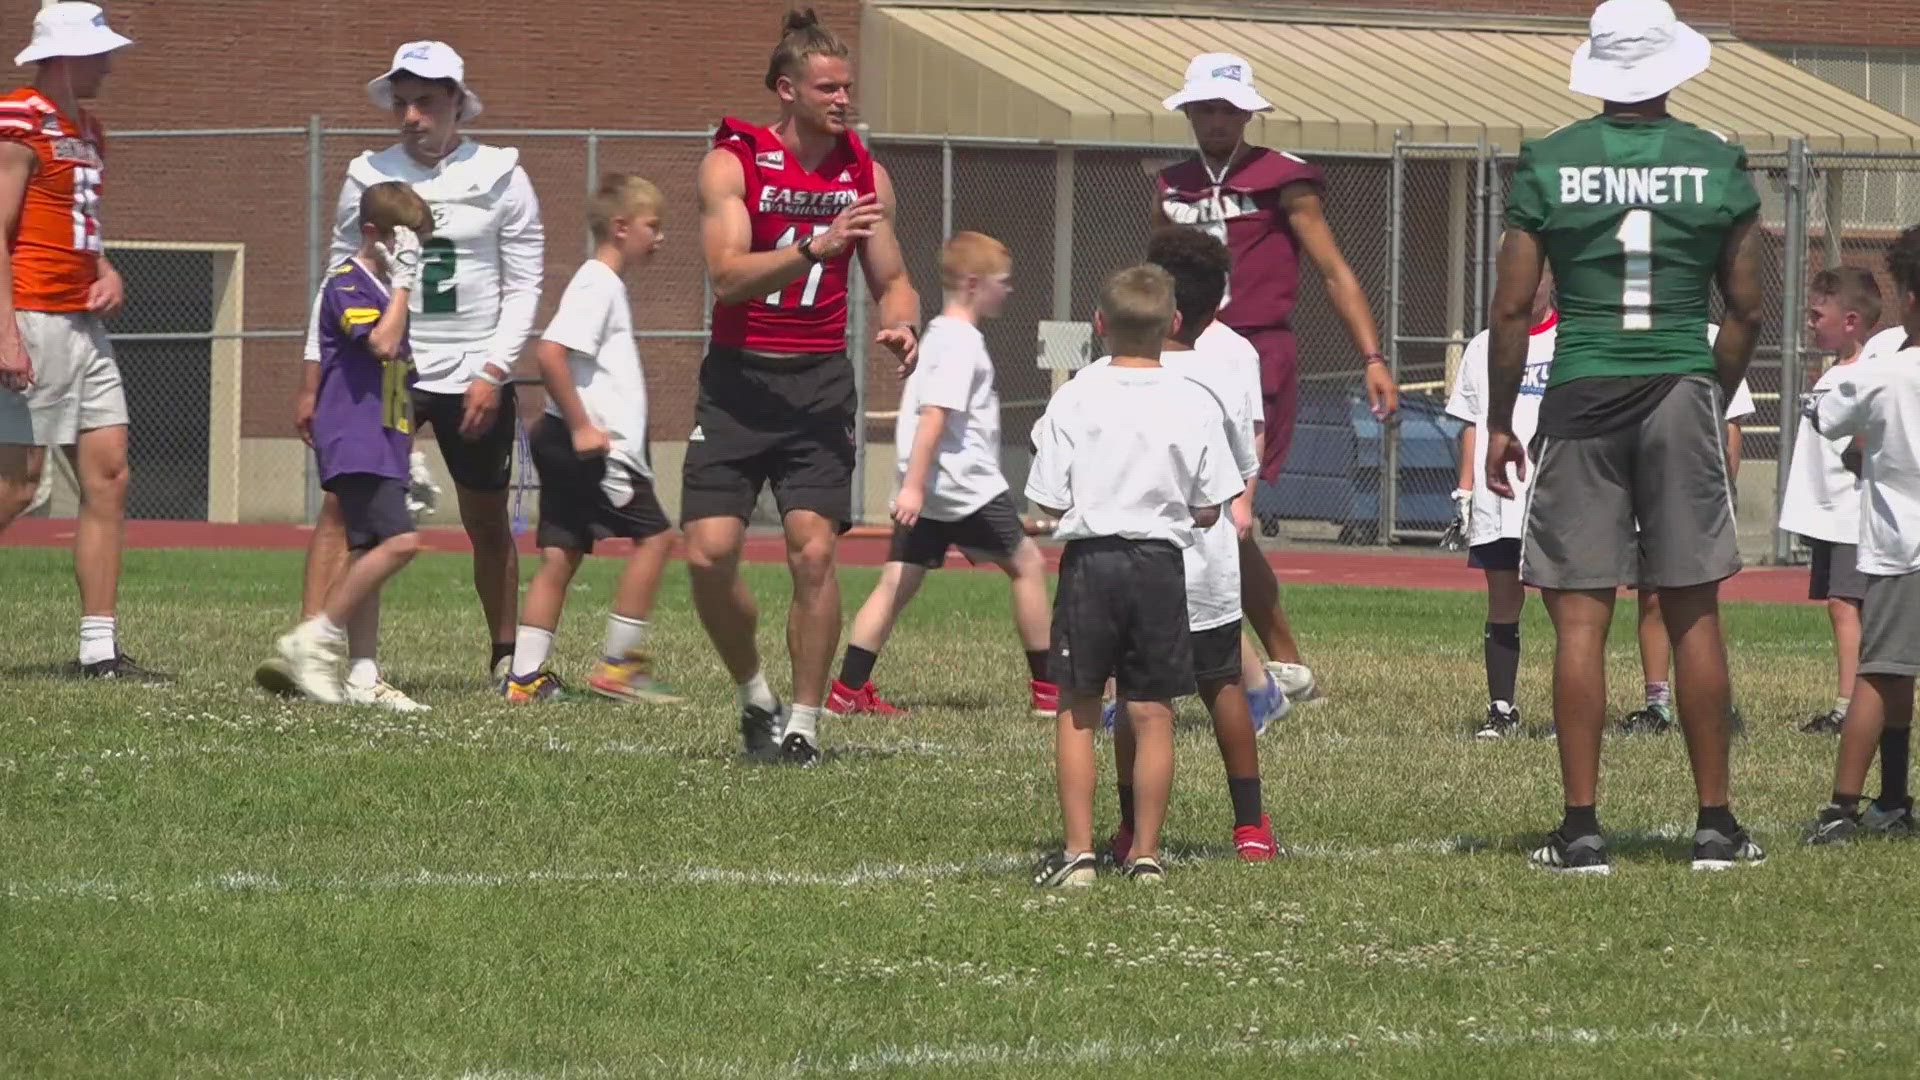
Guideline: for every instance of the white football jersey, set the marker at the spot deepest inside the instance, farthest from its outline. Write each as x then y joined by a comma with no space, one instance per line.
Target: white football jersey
480,276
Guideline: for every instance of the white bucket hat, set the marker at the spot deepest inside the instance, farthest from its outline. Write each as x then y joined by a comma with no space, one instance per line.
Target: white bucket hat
70,30
1220,77
429,60
1636,50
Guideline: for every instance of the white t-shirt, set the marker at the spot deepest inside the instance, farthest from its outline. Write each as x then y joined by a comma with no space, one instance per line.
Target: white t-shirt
1493,517
594,323
955,373
480,278
1822,500
1878,399
1227,365
1125,451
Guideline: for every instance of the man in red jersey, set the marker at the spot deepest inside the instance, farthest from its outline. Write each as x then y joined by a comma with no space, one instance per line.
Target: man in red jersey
1266,206
783,209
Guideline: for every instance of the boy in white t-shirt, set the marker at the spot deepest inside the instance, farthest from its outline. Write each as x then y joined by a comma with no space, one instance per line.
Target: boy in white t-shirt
1656,715
1489,525
1822,503
1132,459
1222,660
1877,401
952,493
590,450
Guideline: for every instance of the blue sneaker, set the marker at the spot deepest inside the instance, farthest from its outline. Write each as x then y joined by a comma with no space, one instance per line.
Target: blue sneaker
1268,703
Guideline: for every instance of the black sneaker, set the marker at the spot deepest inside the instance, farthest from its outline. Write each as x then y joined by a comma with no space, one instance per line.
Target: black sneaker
1834,825
1715,850
1826,723
799,749
1146,871
1894,821
760,731
1061,870
1499,725
1651,720
1579,855
122,667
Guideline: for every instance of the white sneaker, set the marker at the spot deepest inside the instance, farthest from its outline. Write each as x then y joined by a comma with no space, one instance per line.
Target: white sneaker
1297,681
313,663
386,696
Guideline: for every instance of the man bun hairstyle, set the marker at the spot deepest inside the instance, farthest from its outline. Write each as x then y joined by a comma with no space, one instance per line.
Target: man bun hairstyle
801,38
1199,264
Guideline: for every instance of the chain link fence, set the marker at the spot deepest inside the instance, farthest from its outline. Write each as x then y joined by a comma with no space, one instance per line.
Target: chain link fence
234,227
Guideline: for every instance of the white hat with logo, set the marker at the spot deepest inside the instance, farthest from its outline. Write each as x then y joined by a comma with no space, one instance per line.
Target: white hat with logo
428,60
69,29
1636,50
1220,77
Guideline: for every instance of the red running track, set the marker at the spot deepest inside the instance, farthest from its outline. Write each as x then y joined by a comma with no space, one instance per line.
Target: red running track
868,547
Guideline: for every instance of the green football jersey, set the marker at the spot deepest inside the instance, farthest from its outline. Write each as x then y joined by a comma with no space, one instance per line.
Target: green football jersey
1633,214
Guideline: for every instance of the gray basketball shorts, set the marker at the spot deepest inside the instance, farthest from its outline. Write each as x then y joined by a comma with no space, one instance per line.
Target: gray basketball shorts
1890,626
1667,473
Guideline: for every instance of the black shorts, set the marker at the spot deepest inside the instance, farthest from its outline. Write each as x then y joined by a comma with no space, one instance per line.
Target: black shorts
374,508
786,421
989,533
1834,572
1216,653
482,464
1501,554
1121,613
575,508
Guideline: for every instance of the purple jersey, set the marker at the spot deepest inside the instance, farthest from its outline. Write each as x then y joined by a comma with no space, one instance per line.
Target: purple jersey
362,420
1243,211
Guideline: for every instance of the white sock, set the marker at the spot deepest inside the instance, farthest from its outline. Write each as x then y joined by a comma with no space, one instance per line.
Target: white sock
803,720
624,635
96,639
530,648
755,691
324,629
1503,707
363,672
1840,705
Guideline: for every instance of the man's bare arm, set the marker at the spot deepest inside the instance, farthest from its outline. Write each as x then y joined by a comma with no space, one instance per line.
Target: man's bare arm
1739,277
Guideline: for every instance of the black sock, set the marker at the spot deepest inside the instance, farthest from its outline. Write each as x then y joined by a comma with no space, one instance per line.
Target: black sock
857,668
1848,803
1037,664
1718,818
1894,746
1126,806
1580,821
1502,644
1245,793
502,650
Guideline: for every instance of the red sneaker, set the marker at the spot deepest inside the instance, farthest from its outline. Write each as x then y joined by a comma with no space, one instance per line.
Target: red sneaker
1255,843
843,700
1045,698
1120,845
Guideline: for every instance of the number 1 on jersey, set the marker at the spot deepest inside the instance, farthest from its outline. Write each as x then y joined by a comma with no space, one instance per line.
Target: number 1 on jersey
814,275
1636,285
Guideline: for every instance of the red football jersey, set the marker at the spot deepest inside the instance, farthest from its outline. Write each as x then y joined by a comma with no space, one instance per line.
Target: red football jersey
786,203
1243,211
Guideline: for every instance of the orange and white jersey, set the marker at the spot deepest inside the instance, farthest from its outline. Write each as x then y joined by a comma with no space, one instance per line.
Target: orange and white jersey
56,243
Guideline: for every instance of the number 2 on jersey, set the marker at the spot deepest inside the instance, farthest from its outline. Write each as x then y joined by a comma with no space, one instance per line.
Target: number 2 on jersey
439,274
814,275
1636,284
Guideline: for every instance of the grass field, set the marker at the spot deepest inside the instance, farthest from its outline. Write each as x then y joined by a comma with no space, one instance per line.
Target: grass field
201,881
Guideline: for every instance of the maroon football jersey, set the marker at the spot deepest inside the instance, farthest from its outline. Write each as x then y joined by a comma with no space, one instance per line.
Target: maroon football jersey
786,203
1243,211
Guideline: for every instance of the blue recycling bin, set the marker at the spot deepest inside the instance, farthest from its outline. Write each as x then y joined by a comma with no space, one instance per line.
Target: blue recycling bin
1333,470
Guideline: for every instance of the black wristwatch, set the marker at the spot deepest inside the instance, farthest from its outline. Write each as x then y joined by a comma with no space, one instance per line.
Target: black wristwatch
806,250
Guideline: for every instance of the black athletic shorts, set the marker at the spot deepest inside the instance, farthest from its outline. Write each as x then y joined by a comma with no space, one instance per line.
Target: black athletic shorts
780,420
1834,572
1121,612
1216,653
1501,554
575,507
374,508
991,532
482,464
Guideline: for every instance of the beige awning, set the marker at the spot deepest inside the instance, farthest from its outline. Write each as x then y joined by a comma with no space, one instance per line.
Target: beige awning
1085,75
